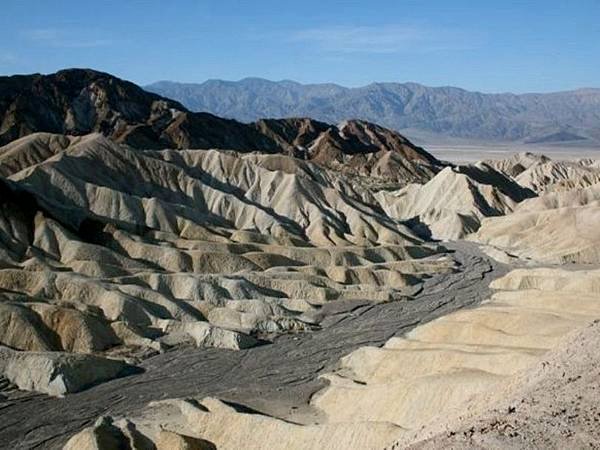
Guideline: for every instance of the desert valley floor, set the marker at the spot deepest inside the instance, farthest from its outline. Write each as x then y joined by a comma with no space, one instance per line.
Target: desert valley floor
172,280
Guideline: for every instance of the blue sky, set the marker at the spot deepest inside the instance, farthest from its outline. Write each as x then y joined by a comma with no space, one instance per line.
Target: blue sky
491,46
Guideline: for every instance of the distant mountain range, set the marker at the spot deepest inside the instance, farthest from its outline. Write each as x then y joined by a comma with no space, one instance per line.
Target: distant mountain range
428,114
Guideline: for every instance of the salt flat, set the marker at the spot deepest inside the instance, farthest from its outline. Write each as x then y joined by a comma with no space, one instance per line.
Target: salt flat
468,153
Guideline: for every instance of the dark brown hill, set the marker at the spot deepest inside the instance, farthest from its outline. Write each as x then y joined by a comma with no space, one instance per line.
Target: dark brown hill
83,101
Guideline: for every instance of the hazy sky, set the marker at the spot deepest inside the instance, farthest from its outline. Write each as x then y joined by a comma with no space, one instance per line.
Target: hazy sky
492,46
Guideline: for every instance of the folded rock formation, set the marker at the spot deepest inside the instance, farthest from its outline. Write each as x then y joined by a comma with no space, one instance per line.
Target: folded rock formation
108,249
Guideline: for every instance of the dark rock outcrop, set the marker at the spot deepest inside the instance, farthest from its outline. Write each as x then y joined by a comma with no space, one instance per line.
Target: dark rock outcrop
82,101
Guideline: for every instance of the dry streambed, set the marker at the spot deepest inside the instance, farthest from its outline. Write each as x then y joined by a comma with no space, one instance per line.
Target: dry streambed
418,384
277,379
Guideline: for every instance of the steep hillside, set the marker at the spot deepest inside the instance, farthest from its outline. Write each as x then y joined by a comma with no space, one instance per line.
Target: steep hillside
81,101
453,203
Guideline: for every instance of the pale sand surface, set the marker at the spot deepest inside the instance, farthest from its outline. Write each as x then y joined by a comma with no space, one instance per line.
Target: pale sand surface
467,153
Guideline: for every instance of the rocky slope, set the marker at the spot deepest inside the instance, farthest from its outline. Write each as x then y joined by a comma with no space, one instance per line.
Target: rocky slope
475,378
552,406
417,110
80,101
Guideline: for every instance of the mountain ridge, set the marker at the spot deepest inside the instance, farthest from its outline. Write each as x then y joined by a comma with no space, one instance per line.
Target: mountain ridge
410,108
582,89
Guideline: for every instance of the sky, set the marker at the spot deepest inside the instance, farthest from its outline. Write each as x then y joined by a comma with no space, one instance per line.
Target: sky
485,45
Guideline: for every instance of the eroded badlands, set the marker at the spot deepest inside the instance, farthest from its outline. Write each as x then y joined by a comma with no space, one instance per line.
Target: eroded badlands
212,298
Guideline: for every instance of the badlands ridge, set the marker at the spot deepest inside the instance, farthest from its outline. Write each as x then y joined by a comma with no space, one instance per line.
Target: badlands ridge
171,279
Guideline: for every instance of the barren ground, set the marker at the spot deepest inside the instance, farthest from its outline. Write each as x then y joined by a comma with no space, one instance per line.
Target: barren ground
276,378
